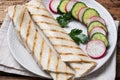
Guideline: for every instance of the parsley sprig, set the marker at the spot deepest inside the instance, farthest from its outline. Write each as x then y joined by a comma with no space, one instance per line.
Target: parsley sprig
64,19
78,36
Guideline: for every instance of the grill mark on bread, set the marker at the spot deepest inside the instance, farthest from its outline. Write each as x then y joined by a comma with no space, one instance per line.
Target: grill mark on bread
28,31
61,72
43,15
76,68
39,8
49,59
33,6
22,20
85,61
74,61
60,38
81,61
58,31
14,12
35,40
57,68
54,31
39,22
82,55
41,51
66,54
67,46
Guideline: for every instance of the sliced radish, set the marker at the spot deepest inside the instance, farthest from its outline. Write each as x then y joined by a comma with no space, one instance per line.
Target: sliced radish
96,49
96,18
53,5
97,29
70,5
80,14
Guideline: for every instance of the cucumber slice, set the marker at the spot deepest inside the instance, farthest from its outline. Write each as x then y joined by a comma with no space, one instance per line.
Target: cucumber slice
95,24
88,13
62,6
100,36
75,10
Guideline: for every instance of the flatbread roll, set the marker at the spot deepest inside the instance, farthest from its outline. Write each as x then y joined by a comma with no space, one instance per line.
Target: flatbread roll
60,40
32,39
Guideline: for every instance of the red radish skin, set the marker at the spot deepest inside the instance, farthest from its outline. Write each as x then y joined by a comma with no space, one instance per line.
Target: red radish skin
70,5
96,49
96,18
97,29
53,5
80,13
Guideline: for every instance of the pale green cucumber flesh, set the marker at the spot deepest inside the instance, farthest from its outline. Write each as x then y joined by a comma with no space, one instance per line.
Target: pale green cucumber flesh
101,37
77,6
90,12
96,24
62,5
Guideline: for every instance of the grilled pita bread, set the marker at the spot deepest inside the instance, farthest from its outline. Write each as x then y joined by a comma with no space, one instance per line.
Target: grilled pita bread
61,41
41,52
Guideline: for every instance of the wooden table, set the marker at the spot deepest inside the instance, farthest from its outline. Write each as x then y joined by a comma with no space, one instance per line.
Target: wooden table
113,6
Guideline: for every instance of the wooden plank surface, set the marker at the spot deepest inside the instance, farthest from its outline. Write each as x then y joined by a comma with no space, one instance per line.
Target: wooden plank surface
4,5
113,6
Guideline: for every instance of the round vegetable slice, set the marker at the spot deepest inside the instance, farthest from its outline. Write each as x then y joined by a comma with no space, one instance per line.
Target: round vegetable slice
96,18
80,13
94,24
70,5
53,5
90,12
77,6
100,36
62,5
96,49
97,29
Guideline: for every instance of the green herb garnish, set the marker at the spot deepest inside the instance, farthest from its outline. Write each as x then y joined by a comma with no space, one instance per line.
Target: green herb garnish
78,36
64,19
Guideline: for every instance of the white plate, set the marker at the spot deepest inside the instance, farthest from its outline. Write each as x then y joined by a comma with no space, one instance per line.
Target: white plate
112,31
19,52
